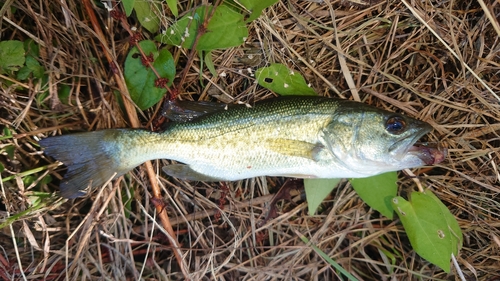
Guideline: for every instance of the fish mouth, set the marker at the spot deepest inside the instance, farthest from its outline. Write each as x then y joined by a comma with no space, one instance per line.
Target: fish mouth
409,146
428,155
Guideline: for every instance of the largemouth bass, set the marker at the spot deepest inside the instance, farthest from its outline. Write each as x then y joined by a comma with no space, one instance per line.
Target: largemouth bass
303,137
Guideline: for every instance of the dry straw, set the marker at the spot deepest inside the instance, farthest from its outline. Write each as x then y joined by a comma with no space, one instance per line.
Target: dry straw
434,60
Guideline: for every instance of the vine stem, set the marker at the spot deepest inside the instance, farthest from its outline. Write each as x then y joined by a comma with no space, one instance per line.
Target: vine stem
202,29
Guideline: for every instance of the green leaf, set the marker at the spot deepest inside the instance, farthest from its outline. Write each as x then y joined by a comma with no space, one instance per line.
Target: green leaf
31,48
32,66
145,11
128,6
10,149
256,7
172,4
32,51
225,29
317,190
278,78
45,180
23,73
63,92
11,55
210,64
7,133
28,180
32,63
141,79
378,191
433,231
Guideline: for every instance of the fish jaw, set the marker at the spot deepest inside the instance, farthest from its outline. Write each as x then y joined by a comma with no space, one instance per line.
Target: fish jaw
428,155
415,154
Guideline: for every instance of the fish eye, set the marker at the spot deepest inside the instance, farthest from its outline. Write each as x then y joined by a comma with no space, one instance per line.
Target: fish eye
395,125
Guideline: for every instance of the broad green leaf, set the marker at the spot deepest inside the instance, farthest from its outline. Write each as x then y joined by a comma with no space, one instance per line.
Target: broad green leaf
128,6
317,190
378,191
11,55
183,32
141,79
145,11
172,4
433,231
225,29
32,65
256,7
278,78
23,73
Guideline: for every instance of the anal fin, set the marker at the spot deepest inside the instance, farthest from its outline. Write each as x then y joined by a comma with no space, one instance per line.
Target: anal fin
185,172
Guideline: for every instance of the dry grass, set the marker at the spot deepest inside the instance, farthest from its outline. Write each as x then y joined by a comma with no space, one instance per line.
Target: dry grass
434,60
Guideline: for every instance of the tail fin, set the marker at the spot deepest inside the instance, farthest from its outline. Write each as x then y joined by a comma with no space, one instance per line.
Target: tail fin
91,159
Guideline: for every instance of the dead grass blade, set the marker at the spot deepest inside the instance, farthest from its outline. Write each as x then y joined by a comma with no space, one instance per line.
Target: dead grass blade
434,60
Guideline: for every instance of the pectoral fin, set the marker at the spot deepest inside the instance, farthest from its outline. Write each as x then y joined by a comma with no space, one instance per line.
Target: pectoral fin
185,172
295,148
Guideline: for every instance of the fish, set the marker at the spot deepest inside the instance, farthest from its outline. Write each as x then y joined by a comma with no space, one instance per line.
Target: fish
295,136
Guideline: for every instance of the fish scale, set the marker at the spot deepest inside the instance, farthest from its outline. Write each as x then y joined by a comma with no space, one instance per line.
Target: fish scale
241,135
296,136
